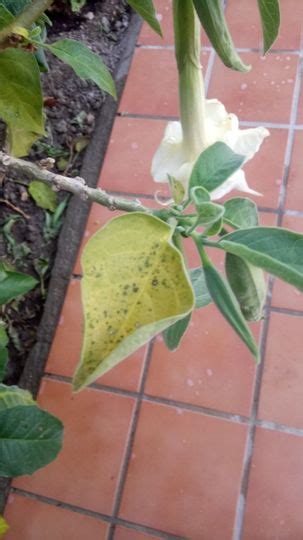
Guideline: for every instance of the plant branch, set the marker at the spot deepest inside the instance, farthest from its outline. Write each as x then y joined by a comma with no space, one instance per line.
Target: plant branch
27,17
76,186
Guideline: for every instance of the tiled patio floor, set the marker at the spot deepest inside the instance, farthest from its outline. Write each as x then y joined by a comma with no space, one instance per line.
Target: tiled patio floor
197,444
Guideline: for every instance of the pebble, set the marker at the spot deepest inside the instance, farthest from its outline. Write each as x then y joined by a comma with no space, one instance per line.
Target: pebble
61,127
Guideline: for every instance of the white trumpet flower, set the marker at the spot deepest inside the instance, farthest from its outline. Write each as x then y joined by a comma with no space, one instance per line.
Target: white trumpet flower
174,158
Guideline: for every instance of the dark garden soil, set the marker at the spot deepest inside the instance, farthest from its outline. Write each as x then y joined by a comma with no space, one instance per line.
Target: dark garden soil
29,234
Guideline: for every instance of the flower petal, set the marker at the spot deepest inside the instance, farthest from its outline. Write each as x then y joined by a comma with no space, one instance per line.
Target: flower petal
235,181
218,121
246,141
170,155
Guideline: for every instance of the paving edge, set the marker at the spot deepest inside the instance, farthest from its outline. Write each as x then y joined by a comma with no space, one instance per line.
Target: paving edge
72,231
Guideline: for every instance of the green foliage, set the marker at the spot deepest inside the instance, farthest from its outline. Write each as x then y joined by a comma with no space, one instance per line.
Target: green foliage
3,350
277,251
53,222
241,213
215,165
177,190
43,195
225,301
134,286
248,285
146,9
14,284
6,17
270,17
76,5
211,15
15,6
198,281
30,438
86,64
173,334
21,99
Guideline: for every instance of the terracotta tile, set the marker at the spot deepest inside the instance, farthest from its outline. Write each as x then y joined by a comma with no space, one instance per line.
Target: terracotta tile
153,91
285,295
281,393
264,172
190,467
300,109
165,17
33,520
244,24
274,509
262,95
65,352
128,160
211,368
87,469
130,534
294,200
164,10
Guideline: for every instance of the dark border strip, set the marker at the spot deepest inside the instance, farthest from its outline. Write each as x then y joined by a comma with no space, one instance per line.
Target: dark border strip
72,231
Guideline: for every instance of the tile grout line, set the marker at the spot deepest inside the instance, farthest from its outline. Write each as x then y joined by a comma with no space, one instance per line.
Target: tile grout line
168,118
207,48
188,407
291,137
248,454
130,442
95,514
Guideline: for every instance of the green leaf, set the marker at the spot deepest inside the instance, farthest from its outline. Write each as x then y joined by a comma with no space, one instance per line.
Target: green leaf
202,296
214,228
277,251
241,213
3,351
226,302
30,438
3,362
77,5
134,286
173,334
6,18
43,195
15,284
270,17
177,189
208,213
248,284
146,9
21,105
215,165
13,396
15,6
198,195
211,15
3,336
3,526
86,64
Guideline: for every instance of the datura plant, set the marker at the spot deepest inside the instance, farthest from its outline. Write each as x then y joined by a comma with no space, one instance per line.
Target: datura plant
136,282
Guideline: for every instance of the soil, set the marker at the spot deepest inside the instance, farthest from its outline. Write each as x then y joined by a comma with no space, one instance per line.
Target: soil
28,234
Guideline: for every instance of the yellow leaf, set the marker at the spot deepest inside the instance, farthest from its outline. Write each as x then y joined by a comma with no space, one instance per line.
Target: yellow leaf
3,526
134,286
